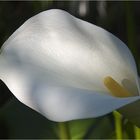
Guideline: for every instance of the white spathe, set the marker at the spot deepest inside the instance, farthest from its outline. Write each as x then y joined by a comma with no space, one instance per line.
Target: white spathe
56,64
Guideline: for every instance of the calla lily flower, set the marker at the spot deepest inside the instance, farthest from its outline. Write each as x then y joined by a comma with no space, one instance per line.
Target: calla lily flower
66,68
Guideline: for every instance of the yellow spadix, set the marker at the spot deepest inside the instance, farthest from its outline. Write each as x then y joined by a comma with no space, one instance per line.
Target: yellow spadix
115,88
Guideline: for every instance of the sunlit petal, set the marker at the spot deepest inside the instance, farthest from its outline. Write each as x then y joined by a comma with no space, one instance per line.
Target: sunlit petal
81,53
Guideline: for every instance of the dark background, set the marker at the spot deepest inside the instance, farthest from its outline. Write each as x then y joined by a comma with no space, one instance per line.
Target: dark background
120,18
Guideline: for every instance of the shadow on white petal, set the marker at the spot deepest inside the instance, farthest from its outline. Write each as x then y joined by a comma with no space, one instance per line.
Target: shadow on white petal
63,103
131,86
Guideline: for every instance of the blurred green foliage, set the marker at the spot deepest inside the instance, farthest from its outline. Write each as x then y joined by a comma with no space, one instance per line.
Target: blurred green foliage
19,121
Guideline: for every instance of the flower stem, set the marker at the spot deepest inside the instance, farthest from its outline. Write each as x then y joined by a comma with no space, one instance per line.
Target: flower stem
63,130
137,132
118,125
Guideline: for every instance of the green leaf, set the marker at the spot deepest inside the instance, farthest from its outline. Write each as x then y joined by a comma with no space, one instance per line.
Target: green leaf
78,128
91,128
